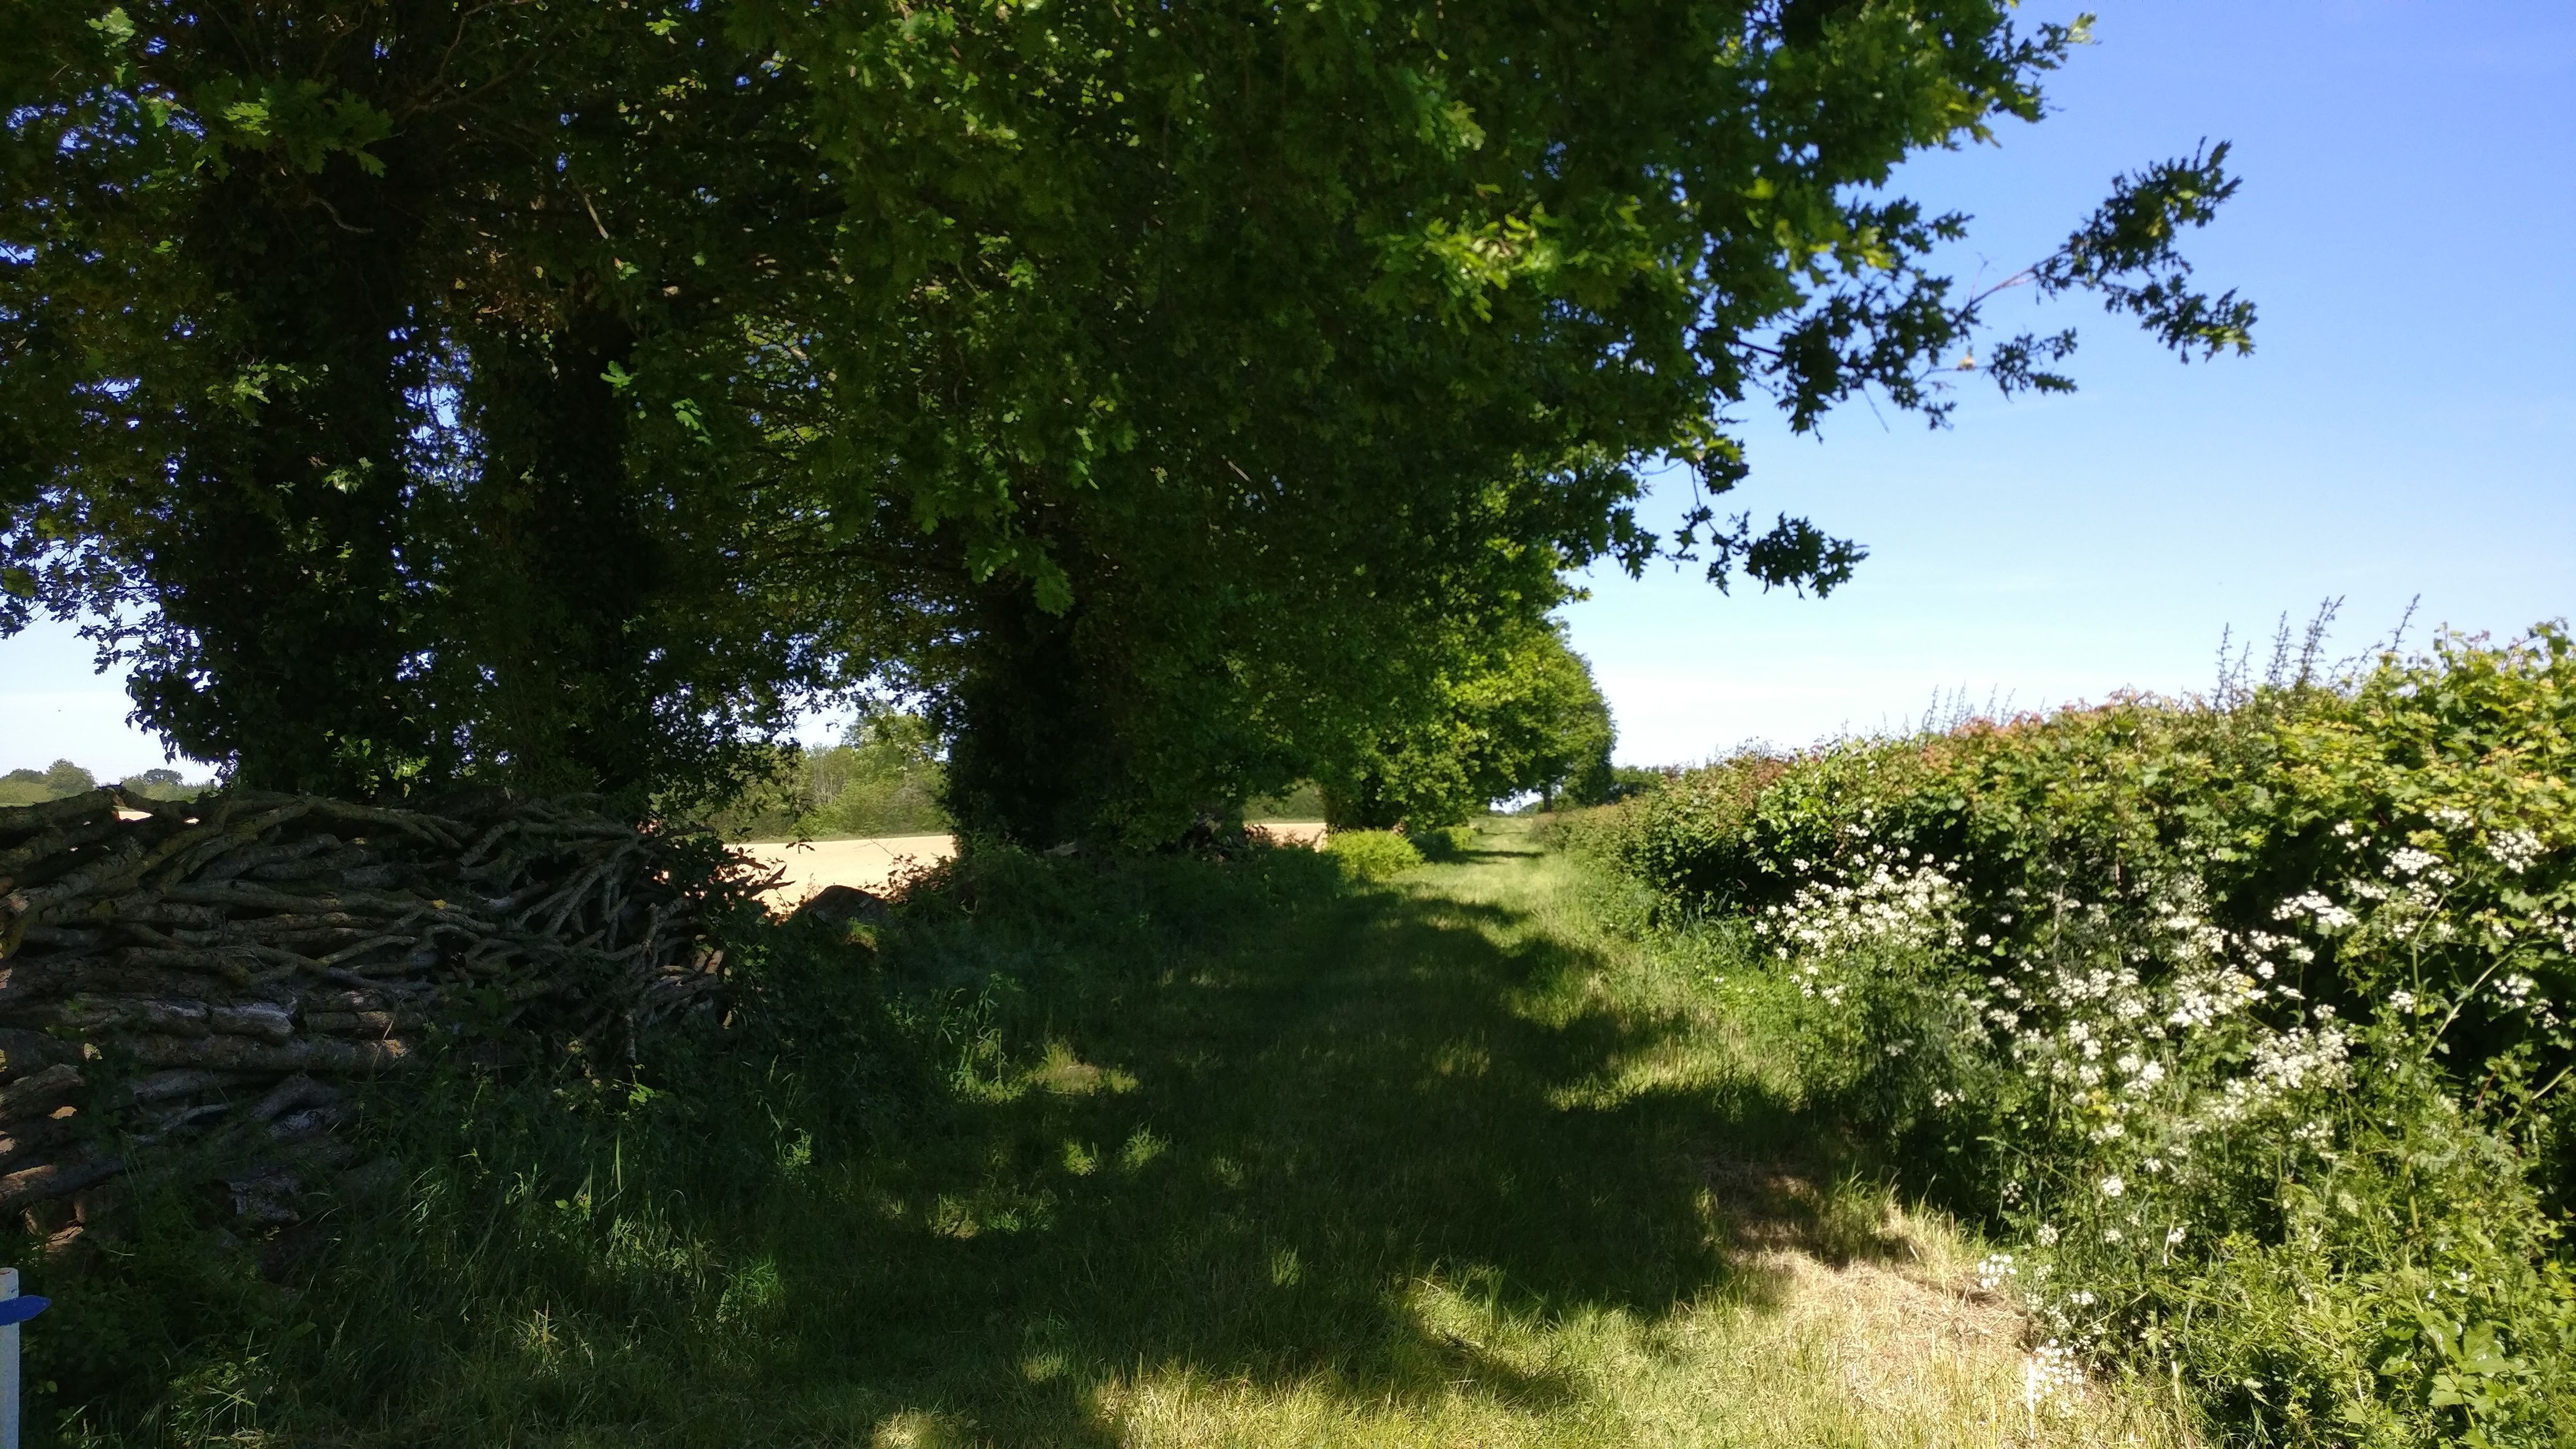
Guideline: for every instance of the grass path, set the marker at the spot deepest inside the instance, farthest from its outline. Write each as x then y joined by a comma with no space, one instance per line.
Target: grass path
1438,1165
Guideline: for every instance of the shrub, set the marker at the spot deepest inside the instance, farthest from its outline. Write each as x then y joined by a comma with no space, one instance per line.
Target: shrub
1372,855
2245,1016
1443,842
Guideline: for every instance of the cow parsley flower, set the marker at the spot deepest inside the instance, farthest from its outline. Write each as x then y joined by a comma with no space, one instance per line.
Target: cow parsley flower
2410,861
2516,850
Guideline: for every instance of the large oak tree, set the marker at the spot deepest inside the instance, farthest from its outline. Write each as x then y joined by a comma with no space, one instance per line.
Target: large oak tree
1175,396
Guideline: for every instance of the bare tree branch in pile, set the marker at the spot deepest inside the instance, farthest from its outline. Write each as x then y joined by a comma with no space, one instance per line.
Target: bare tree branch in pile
203,975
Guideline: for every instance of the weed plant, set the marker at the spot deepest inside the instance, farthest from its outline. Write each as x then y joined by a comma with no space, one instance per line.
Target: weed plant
2246,1018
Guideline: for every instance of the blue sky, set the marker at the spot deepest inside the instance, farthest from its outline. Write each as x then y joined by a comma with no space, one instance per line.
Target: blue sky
2407,427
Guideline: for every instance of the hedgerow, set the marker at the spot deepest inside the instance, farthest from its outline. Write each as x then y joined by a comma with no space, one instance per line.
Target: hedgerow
2245,1018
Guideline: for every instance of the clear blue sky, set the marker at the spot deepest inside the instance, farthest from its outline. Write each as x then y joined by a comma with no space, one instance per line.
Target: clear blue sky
2408,426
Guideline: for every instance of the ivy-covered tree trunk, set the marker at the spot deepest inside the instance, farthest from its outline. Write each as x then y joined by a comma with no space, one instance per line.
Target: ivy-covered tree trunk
561,571
276,547
1034,755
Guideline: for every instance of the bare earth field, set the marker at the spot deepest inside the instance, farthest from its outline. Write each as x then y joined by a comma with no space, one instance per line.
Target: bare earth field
870,865
873,864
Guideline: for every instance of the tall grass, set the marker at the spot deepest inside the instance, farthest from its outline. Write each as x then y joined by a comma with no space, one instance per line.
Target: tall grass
1158,1152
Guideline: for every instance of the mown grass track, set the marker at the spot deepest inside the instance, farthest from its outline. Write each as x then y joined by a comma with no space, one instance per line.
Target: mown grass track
1289,1164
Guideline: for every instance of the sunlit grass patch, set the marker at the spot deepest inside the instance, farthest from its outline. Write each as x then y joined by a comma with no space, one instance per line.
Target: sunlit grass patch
920,1429
1063,1073
1860,1355
1181,1155
1850,1319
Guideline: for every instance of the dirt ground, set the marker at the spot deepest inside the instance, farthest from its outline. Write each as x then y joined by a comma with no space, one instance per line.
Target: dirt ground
873,864
870,864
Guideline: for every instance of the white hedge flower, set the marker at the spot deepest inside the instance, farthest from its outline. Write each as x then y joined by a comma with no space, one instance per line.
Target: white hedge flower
2407,860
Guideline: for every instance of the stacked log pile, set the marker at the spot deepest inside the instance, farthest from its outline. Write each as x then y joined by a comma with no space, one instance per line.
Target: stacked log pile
206,981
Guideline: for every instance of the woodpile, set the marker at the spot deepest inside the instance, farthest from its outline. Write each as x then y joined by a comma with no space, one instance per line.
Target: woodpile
205,982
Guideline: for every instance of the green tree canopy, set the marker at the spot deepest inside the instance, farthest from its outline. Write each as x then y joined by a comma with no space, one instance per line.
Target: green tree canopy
27,787
1168,399
1523,717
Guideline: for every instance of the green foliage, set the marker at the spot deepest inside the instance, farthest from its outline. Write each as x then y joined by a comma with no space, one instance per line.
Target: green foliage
161,784
1445,843
886,780
29,787
2245,1014
1304,802
379,370
1628,781
561,395
1519,714
1372,855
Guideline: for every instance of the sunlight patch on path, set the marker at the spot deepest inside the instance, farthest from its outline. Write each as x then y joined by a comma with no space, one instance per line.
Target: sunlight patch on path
1861,1354
1848,1319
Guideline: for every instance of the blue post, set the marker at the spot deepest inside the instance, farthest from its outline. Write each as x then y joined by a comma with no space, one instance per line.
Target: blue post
14,1310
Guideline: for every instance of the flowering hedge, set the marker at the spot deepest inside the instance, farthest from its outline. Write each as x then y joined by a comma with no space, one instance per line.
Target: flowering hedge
2247,1018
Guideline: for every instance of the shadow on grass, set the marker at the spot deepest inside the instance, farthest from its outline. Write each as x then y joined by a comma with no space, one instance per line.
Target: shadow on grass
1339,1132
1075,1132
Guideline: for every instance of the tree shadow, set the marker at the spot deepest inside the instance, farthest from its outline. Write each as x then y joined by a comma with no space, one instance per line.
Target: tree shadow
1368,1148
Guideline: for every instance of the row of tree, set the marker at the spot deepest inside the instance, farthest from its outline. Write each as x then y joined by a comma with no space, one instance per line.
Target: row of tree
1173,401
63,778
886,777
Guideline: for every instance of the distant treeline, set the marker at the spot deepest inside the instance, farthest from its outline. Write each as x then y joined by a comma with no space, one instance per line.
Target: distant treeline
62,777
885,778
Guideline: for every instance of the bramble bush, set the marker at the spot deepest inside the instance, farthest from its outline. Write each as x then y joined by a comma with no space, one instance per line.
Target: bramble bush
2245,1017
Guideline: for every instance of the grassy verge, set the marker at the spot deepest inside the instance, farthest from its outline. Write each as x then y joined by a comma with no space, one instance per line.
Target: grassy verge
1171,1153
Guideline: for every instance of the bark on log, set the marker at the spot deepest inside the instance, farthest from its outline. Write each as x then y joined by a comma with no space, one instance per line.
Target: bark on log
208,956
54,1179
